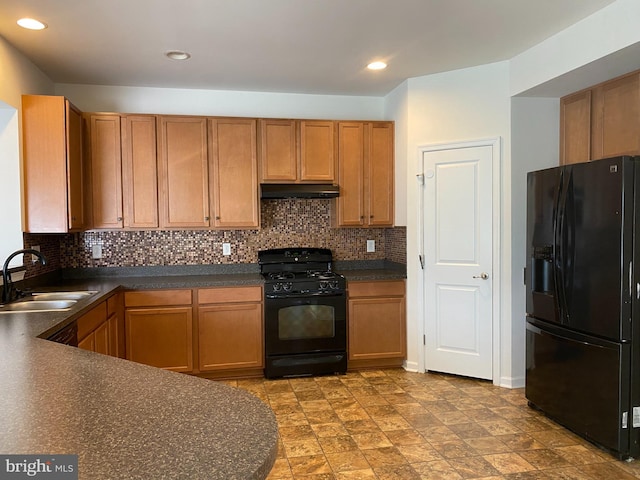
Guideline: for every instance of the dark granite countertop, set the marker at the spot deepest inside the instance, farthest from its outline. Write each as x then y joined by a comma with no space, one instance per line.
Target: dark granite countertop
126,420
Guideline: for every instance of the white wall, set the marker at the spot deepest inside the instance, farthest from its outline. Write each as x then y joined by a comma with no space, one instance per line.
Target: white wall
461,105
99,98
396,107
535,145
612,29
19,76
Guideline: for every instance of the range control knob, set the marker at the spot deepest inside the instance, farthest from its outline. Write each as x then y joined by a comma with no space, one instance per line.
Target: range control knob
323,285
277,287
333,284
287,286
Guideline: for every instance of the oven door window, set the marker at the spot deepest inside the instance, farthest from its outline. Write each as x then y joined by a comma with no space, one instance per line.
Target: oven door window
302,322
305,325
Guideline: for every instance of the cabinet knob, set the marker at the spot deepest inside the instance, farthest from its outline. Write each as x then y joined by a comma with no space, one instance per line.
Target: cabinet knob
370,216
119,219
206,219
361,217
217,218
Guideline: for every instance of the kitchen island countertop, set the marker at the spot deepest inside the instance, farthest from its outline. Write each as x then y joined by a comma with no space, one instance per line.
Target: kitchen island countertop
124,420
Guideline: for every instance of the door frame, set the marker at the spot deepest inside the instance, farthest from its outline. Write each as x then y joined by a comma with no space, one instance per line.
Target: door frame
496,294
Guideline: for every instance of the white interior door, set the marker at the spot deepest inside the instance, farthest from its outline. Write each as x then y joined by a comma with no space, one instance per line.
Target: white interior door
458,250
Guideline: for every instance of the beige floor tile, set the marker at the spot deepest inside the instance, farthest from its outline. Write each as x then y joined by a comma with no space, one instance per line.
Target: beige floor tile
371,440
310,465
508,463
392,424
350,460
380,457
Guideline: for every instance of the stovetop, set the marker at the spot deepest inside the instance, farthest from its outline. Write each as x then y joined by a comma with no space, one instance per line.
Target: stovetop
299,271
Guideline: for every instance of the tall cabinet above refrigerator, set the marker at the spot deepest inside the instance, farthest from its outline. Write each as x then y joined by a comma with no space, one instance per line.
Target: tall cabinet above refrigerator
582,284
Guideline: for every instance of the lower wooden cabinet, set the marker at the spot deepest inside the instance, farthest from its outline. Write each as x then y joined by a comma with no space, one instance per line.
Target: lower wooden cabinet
159,328
230,332
377,324
100,329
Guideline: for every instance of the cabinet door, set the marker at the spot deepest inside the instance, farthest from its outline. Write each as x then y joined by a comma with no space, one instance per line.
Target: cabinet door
617,117
376,328
160,337
106,171
350,203
575,128
278,152
184,178
88,343
230,336
101,336
317,151
75,168
52,165
379,189
234,172
139,171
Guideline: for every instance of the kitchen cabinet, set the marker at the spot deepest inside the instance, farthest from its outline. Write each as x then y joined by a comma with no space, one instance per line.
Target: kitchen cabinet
159,328
54,174
377,323
183,172
230,330
234,172
616,117
139,171
601,121
575,128
293,151
93,330
365,174
105,167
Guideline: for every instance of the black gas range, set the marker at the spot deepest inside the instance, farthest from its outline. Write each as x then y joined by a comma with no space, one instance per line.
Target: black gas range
305,312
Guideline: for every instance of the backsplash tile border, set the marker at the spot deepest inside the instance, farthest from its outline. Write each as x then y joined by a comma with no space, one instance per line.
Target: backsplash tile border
285,223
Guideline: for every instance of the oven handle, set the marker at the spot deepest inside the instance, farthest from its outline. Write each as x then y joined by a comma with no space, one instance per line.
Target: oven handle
305,295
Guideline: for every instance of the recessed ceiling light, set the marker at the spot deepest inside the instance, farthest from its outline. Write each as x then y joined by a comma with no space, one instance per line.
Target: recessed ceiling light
178,55
377,66
31,24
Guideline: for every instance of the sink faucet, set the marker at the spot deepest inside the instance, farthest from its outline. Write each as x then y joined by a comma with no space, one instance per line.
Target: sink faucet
7,287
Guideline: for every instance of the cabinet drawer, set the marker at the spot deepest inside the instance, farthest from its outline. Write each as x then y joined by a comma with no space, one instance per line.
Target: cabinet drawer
381,288
91,320
229,294
152,298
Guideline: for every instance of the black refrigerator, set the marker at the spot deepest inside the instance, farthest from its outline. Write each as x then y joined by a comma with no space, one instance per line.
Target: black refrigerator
583,310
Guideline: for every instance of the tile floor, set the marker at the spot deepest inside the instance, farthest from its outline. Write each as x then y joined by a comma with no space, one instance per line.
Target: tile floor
392,424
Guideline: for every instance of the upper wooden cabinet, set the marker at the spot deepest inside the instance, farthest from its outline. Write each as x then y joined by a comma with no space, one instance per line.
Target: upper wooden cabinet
365,174
234,172
294,151
139,171
54,176
616,117
183,172
602,121
575,128
105,166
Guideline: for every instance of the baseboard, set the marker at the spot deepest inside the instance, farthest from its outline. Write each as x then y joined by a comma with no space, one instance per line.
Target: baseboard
410,366
512,382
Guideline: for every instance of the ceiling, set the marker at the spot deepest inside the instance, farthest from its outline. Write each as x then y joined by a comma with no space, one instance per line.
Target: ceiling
296,46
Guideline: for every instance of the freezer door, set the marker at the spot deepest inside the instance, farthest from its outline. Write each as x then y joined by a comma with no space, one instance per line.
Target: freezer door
594,247
543,195
582,383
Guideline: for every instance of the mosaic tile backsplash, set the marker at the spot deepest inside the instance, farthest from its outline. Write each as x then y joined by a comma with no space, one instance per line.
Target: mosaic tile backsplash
285,223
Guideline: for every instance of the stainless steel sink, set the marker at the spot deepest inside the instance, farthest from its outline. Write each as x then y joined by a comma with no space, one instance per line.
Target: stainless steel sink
74,295
37,306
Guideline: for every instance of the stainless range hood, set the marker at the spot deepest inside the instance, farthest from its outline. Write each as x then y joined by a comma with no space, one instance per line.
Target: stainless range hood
298,190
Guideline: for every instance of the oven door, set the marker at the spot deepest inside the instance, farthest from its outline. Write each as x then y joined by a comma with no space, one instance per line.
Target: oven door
305,323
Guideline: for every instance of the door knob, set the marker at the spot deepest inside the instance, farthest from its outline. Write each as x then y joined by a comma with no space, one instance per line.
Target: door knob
483,276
